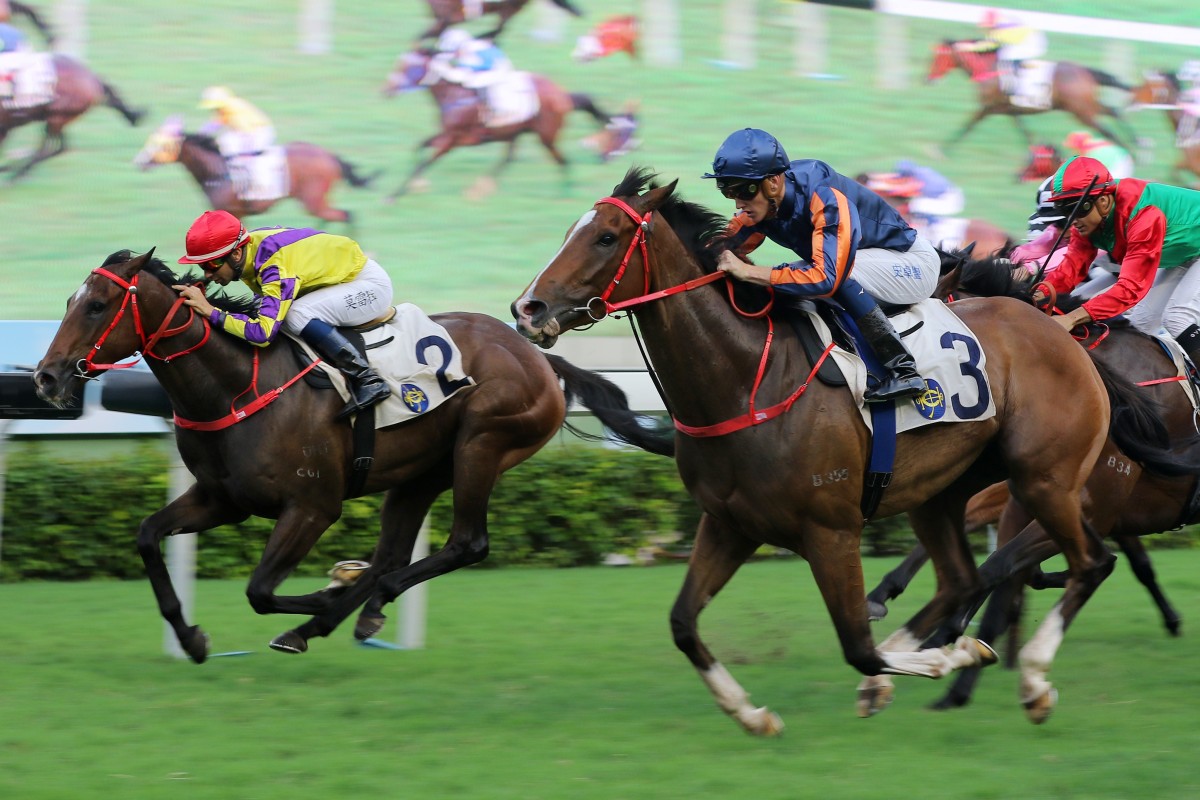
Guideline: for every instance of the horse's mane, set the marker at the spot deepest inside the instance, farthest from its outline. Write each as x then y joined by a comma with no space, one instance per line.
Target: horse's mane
701,230
697,227
159,269
203,141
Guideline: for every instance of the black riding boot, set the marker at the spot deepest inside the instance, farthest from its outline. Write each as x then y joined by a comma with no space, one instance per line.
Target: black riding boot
902,379
366,387
1190,341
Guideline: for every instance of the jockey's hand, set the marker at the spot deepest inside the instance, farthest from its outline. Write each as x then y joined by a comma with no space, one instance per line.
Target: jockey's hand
733,266
1073,319
193,296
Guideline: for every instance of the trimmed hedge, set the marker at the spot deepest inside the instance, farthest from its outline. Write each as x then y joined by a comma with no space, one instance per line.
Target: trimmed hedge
569,505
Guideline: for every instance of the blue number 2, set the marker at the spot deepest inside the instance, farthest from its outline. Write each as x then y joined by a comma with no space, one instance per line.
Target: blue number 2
448,387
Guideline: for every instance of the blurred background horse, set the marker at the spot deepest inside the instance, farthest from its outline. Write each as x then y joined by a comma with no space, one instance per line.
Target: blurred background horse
310,171
1074,89
463,116
452,12
1160,90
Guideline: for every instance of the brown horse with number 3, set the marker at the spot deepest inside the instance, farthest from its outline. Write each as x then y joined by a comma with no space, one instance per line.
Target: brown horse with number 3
291,461
640,250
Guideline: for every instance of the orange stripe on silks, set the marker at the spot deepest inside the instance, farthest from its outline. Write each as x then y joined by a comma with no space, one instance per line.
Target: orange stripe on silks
806,275
845,236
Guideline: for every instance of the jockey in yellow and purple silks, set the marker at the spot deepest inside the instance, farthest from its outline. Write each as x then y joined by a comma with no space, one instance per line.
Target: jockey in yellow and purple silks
836,225
308,281
1016,42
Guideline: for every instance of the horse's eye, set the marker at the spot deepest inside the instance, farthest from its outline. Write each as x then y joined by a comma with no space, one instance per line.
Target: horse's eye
606,240
95,307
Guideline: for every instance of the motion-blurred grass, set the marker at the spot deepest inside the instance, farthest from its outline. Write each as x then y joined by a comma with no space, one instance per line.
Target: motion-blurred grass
564,683
446,252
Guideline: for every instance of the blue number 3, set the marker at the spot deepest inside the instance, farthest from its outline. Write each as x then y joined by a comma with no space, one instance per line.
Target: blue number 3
970,369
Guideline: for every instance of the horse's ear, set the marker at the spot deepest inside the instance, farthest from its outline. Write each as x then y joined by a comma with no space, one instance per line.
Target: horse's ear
136,265
656,197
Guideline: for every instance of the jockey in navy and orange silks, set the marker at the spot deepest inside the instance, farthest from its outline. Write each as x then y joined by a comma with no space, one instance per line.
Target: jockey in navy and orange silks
307,282
1145,227
836,226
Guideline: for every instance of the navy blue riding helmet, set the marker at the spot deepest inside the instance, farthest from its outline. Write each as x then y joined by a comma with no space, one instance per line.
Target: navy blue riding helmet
749,154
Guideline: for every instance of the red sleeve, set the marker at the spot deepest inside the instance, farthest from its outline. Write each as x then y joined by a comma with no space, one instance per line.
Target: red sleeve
1143,253
1075,264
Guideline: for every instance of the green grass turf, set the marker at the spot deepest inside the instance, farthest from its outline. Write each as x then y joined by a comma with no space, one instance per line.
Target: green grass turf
552,684
446,252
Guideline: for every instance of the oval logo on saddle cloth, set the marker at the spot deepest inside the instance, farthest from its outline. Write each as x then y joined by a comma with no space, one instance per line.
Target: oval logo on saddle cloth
932,404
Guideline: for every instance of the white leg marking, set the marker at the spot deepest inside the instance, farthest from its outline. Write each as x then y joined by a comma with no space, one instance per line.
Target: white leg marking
735,702
1038,654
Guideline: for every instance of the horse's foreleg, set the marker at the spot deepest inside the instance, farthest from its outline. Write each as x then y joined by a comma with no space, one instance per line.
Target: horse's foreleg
443,146
965,129
895,582
1139,562
939,524
1023,129
191,512
716,556
53,143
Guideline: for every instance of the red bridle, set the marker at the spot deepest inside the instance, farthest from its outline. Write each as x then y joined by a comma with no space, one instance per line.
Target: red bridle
146,344
638,242
754,416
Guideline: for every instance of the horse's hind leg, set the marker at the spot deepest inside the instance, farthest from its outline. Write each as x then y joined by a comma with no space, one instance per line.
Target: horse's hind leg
1139,562
716,556
296,531
192,511
895,582
404,510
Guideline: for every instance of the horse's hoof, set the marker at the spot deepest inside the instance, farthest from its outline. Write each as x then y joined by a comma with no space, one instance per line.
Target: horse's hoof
368,625
762,722
290,642
1038,709
983,652
874,698
196,645
950,701
876,611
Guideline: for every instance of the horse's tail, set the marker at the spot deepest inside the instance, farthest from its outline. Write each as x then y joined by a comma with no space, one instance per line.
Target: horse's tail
1105,79
583,102
113,100
565,5
608,403
1138,429
352,177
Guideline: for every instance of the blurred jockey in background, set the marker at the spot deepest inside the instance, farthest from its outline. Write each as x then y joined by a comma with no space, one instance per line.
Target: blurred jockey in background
1187,133
243,134
613,35
926,198
1016,44
507,96
1118,160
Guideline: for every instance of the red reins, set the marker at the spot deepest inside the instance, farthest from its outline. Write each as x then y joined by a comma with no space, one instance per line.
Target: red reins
147,344
751,417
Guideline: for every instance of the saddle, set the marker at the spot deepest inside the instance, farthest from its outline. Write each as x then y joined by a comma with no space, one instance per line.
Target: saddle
354,334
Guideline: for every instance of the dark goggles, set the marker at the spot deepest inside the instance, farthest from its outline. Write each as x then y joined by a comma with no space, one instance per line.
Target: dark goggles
738,190
1066,207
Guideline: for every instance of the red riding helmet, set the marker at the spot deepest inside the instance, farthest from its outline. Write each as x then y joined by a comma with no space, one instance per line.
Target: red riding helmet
1074,178
212,235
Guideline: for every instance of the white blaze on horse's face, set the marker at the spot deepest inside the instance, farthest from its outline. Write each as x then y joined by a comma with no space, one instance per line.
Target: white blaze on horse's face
583,222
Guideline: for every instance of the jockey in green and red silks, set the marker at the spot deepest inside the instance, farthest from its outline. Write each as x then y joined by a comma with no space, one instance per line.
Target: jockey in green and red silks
836,226
1145,227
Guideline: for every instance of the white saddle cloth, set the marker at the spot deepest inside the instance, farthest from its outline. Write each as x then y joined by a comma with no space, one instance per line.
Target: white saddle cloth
27,80
417,358
948,357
